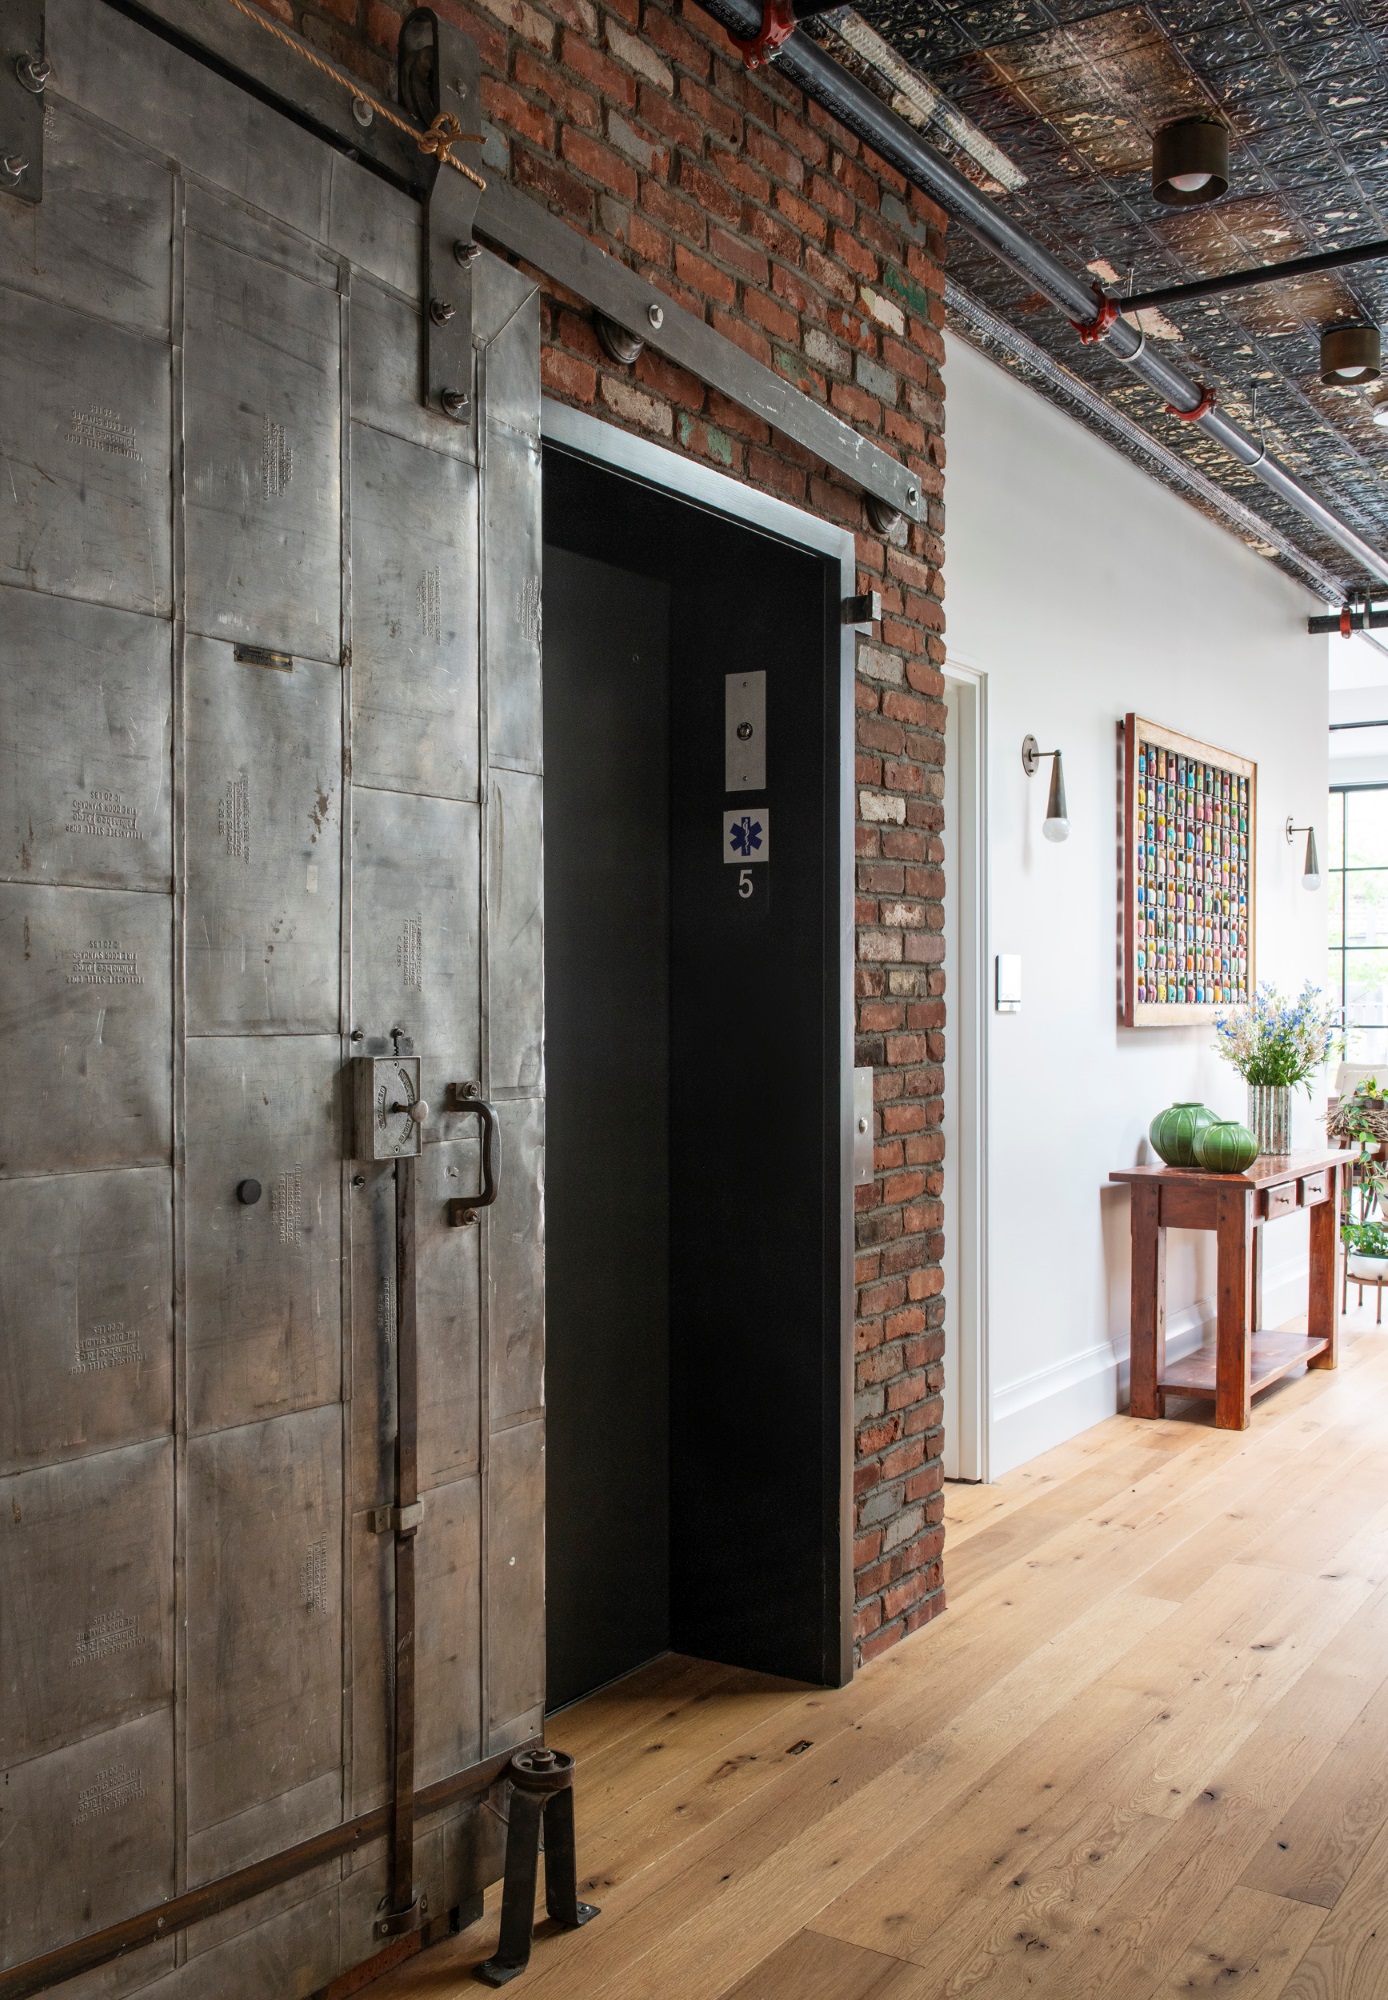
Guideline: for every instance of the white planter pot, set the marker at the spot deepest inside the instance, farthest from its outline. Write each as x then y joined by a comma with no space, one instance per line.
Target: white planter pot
1368,1268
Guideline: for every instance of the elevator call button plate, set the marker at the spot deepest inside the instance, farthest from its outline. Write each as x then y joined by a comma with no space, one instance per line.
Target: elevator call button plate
744,717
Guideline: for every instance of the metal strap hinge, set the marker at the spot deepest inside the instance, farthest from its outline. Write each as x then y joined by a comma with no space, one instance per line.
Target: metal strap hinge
24,74
440,74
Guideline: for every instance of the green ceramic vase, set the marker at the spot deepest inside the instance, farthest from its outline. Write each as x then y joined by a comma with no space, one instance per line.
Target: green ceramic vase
1226,1147
1174,1133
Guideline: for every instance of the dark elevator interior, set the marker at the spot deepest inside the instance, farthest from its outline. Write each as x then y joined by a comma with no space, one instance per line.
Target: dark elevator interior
694,1285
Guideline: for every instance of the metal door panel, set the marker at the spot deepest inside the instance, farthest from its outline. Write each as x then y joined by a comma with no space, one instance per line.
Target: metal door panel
374,225
267,1828
285,1955
99,240
89,1836
511,586
85,1025
86,1581
86,1314
414,625
180,108
516,958
505,328
261,237
264,844
414,931
516,1264
516,1584
447,1292
264,1314
85,717
448,1672
385,336
84,427
263,455
285,1896
264,1612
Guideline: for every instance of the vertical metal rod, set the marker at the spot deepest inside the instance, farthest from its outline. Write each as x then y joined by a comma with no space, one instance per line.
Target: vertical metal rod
406,1493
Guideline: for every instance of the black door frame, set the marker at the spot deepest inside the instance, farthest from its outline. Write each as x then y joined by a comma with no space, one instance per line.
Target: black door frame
686,479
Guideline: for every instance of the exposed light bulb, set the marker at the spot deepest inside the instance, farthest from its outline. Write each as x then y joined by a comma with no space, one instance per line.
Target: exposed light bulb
1056,829
1380,416
1189,183
1355,374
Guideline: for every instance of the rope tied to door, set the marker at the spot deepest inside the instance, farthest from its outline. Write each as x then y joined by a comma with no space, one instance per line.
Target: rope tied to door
438,139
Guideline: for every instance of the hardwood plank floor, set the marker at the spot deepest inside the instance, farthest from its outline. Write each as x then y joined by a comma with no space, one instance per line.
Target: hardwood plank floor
1144,1753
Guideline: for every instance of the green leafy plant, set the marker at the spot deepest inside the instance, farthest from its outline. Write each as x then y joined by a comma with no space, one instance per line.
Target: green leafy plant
1372,1172
1365,1239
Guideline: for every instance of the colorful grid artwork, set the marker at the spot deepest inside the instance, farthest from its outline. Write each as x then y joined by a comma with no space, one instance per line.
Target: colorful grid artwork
1188,877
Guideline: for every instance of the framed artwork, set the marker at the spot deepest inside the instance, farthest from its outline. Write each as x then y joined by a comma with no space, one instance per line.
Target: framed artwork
1190,816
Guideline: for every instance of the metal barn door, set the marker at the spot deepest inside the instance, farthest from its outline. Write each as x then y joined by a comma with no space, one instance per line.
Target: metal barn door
269,802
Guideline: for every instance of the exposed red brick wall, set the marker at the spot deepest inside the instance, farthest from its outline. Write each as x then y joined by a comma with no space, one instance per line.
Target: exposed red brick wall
637,120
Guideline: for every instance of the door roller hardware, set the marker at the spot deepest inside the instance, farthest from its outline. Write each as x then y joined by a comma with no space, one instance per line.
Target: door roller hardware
24,75
864,611
439,76
388,1112
397,1520
463,1210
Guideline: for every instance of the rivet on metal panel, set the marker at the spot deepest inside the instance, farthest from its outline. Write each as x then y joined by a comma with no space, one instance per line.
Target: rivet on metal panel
656,316
455,404
33,73
467,254
441,311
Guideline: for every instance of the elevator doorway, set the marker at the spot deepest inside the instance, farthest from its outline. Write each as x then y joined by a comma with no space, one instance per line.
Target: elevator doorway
698,1321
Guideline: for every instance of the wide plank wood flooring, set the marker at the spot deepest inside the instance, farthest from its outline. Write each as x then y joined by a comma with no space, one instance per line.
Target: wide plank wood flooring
1144,1753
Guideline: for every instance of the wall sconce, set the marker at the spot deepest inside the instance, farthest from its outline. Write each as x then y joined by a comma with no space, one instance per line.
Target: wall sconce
1056,825
1190,162
1311,871
1349,354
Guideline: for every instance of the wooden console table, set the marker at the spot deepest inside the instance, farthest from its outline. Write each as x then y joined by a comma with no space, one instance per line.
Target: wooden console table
1243,1360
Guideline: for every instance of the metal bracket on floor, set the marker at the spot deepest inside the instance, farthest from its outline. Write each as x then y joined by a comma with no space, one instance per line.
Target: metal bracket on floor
542,1790
23,77
440,76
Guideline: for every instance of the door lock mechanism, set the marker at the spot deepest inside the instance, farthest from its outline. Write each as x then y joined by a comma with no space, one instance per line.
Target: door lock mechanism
388,1111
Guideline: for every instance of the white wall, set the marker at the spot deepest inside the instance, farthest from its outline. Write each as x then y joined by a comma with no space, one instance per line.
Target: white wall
1082,589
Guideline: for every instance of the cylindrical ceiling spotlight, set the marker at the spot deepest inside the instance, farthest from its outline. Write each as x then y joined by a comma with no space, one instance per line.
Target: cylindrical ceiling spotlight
1349,354
1190,162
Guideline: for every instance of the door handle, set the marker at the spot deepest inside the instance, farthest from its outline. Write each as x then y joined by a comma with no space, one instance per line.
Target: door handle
463,1210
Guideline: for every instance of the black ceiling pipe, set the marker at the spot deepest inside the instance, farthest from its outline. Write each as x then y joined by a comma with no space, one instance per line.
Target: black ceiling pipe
1264,274
837,91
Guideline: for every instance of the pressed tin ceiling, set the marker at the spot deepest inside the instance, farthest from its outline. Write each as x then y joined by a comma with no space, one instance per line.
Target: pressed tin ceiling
1072,94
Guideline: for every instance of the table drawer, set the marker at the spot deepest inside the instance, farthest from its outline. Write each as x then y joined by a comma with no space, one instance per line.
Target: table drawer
1315,1187
1279,1200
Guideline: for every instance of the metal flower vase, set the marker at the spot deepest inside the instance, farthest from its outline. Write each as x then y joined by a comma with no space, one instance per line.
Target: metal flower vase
1270,1116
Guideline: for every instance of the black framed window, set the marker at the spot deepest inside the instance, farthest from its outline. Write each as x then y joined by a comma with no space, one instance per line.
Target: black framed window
1357,878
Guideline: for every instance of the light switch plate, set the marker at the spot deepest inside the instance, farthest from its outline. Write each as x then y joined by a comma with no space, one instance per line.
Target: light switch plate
744,712
1008,991
863,1160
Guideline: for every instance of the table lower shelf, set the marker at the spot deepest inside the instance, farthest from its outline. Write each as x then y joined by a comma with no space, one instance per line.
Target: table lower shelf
1273,1355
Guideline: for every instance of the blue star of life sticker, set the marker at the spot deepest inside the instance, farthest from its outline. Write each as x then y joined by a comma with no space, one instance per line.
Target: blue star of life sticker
746,836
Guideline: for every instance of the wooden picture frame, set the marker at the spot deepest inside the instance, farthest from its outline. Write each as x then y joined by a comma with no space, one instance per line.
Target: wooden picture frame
1190,826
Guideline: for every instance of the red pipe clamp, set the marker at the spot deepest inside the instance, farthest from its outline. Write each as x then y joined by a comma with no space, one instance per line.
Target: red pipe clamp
1202,408
1098,327
778,24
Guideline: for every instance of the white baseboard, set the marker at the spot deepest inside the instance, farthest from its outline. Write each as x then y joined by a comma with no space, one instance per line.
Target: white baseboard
1059,1401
